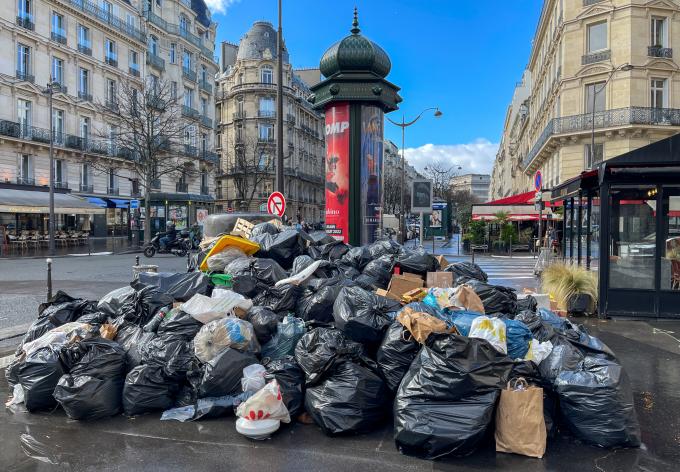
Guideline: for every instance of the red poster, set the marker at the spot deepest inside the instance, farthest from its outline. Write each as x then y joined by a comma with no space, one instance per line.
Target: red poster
337,171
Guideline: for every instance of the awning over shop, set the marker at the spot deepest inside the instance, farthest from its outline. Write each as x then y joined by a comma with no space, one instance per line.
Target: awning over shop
120,202
518,208
30,201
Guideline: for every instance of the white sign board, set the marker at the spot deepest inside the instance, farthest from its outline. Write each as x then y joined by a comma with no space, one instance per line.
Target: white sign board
421,196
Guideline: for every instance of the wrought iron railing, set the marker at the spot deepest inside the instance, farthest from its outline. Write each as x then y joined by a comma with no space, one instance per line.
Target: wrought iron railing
587,3
266,114
207,122
85,96
290,118
189,74
189,112
205,85
111,59
24,75
603,119
181,187
94,11
594,57
59,36
239,115
87,188
155,61
113,191
156,184
25,20
25,180
658,51
210,156
134,70
265,139
85,47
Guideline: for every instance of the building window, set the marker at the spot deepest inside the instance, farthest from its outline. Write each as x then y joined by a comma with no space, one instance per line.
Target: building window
590,160
173,53
266,106
186,60
83,83
111,87
85,128
204,180
58,31
25,170
595,91
113,181
58,70
658,93
266,132
204,142
262,163
266,75
659,32
173,90
60,173
85,176
25,8
23,61
84,43
183,24
24,109
204,107
153,45
597,36
111,56
188,97
58,123
204,74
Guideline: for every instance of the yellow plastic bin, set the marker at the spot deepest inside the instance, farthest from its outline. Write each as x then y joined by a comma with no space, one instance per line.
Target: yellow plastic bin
227,241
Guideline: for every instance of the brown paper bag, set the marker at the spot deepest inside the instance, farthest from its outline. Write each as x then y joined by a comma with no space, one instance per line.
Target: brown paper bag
520,426
108,331
420,325
468,299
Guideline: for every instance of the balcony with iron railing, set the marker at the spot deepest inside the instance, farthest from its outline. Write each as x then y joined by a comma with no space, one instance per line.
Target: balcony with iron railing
84,95
266,114
207,122
156,184
113,191
111,104
86,188
85,47
290,118
59,36
189,112
189,74
25,180
205,85
111,59
660,51
134,70
182,187
25,20
265,139
106,18
61,185
615,118
239,115
587,3
189,150
593,57
25,76
59,86
155,61
210,156
191,37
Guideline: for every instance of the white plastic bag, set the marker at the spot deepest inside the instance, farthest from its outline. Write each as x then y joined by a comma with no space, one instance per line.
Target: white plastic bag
491,329
267,403
217,262
253,378
56,337
226,332
206,309
538,351
17,396
301,277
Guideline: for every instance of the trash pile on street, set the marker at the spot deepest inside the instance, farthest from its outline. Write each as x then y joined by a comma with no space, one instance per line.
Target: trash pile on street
288,326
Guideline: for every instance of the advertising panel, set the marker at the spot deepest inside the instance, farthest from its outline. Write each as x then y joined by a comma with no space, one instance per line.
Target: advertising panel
371,171
337,171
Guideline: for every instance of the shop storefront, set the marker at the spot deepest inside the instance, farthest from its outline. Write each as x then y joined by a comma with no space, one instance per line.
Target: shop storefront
184,210
115,221
623,220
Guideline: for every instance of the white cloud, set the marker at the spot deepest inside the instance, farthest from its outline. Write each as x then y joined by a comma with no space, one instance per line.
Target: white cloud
476,157
220,6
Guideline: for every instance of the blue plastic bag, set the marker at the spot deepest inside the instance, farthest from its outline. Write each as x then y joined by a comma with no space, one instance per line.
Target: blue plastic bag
462,320
519,337
282,344
552,319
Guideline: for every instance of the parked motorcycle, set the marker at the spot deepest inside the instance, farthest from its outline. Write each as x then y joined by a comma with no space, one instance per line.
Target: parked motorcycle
192,236
177,247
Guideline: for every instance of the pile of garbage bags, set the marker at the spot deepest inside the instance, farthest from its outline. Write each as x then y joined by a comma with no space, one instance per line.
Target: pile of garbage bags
294,327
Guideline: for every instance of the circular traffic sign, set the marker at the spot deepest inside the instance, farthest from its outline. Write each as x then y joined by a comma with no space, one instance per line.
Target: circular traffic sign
276,204
538,180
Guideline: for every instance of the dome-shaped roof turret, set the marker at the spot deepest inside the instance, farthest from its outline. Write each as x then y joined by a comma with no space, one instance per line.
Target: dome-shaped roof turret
260,43
355,53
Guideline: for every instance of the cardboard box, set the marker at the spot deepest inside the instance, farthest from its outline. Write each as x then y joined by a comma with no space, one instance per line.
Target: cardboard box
385,293
443,263
412,276
415,295
400,284
440,279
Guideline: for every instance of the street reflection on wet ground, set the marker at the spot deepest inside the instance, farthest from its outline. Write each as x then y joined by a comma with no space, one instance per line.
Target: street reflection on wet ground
50,441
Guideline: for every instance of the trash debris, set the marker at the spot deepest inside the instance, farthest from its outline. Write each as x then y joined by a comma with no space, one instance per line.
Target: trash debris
363,316
288,333
520,425
253,378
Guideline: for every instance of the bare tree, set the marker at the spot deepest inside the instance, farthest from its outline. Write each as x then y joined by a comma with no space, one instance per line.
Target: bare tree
393,191
441,176
250,166
153,133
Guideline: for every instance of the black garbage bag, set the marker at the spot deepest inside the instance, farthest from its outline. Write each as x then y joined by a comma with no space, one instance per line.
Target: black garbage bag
563,357
395,354
317,298
318,238
96,318
367,283
527,303
351,400
264,323
363,316
180,286
330,251
173,354
596,402
540,330
380,270
445,403
320,349
112,302
12,371
288,333
132,337
94,386
291,380
281,299
384,247
301,263
495,298
420,307
417,261
179,324
56,299
283,247
38,374
346,270
146,389
250,272
223,373
357,257
148,300
467,269
264,228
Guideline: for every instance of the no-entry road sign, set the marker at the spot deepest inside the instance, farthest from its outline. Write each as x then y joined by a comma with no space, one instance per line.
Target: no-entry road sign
538,181
276,204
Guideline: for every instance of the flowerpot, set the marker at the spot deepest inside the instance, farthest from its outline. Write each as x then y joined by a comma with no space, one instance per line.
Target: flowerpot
580,304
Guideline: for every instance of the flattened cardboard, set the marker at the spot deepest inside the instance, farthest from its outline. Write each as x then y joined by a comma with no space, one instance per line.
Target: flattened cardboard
440,279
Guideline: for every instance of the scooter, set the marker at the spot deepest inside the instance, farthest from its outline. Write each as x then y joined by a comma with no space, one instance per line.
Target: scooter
193,237
177,247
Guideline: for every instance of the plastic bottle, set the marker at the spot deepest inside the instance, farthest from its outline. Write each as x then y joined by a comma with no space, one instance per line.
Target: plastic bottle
156,321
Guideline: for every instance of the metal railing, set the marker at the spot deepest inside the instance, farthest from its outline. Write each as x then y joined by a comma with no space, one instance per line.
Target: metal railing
61,185
189,74
190,151
205,85
265,139
134,70
59,36
182,32
25,180
85,96
111,59
189,36
603,119
181,187
113,191
85,48
210,156
239,115
206,121
587,3
189,112
86,188
24,75
290,118
658,51
25,20
155,61
156,184
594,57
94,11
266,114
111,104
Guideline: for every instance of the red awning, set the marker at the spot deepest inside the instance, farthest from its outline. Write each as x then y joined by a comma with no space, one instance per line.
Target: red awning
526,198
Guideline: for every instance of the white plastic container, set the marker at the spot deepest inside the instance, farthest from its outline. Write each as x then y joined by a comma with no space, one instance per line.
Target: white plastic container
257,429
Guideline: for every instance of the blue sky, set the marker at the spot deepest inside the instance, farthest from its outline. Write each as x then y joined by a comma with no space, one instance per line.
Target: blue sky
464,56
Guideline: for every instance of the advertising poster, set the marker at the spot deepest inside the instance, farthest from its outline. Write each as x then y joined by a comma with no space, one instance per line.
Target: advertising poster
371,171
436,219
201,216
337,171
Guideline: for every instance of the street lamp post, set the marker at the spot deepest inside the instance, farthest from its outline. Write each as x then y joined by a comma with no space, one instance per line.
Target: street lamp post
279,106
403,125
50,92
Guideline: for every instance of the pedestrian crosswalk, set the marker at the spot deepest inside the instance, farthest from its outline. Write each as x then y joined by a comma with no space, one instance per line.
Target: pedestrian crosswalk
516,272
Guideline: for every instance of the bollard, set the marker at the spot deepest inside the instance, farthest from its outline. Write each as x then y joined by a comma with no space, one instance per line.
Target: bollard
136,260
49,279
188,261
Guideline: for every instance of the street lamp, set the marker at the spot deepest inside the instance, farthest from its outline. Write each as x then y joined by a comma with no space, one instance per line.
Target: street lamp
51,86
623,67
403,125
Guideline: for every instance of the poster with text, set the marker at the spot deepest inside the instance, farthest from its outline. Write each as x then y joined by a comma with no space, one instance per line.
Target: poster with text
371,171
337,171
